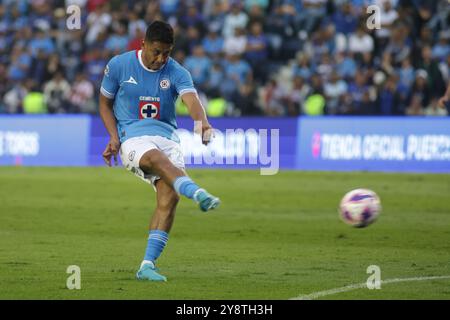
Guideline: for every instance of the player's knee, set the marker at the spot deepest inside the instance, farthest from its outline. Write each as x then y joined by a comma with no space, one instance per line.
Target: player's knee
169,201
149,160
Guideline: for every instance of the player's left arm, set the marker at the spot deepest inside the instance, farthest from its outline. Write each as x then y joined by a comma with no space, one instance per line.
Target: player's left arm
198,114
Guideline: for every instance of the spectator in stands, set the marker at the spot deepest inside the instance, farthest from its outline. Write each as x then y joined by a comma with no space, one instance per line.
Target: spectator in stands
182,45
434,76
317,84
399,46
433,109
56,94
420,89
6,41
95,65
274,99
296,96
136,26
20,63
13,98
256,13
346,106
303,67
236,44
214,81
406,74
346,65
415,107
97,21
366,64
213,44
199,65
257,51
440,19
444,67
3,16
345,19
74,49
41,43
38,66
192,18
441,49
358,90
152,12
311,14
169,8
81,96
334,90
235,18
118,40
319,45
22,37
136,42
216,18
360,41
245,100
388,98
238,73
388,15
192,38
250,4
325,66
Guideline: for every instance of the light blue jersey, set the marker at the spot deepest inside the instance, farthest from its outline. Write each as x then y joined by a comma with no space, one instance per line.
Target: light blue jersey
144,99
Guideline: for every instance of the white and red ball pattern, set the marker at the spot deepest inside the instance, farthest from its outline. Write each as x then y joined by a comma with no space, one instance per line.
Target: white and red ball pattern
360,207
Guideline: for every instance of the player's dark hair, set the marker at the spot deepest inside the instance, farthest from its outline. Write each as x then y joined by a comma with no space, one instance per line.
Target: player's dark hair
159,31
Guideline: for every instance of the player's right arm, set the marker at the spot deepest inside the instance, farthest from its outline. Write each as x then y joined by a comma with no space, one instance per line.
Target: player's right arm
108,90
109,120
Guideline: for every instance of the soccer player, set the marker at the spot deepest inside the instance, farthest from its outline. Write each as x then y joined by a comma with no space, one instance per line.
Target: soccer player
137,106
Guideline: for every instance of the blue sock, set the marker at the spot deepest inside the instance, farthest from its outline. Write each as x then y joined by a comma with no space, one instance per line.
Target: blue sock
156,242
185,186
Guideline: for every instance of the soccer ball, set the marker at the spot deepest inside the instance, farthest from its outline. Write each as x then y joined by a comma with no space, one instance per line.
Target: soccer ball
360,207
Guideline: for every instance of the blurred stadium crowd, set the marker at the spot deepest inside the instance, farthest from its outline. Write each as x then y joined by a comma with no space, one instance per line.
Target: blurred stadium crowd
249,57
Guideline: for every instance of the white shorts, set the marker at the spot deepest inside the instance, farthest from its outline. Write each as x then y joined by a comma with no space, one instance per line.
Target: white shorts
132,150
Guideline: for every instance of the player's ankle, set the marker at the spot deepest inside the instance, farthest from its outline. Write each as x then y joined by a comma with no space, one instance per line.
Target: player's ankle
197,193
150,262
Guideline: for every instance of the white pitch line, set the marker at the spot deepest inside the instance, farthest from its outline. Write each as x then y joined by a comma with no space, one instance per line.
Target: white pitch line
351,287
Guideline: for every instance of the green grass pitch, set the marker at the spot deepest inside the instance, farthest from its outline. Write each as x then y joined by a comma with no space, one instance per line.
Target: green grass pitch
273,237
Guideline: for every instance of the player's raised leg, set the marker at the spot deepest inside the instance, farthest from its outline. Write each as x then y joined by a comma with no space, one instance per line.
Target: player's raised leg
160,225
156,162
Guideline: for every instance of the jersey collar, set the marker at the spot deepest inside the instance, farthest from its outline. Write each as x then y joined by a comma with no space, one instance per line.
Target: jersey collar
139,56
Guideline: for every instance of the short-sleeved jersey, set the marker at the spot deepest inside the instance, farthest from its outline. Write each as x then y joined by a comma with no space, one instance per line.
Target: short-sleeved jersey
144,99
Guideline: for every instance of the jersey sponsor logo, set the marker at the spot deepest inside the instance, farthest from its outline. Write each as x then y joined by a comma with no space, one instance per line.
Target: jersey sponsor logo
149,109
131,80
164,84
106,72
